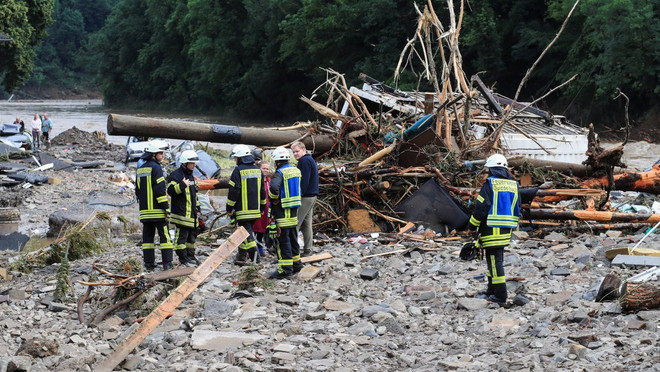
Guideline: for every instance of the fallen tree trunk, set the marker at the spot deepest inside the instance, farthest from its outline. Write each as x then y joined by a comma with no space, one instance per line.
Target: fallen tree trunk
640,296
553,214
630,181
135,126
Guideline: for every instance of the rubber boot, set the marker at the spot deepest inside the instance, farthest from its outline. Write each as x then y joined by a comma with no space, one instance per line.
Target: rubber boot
241,257
191,257
168,257
183,256
253,256
297,266
149,259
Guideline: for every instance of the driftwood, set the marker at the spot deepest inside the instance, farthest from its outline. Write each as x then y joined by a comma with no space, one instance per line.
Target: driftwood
631,181
640,296
172,301
553,214
634,294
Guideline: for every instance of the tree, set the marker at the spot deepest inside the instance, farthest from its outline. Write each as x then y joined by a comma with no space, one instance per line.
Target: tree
25,22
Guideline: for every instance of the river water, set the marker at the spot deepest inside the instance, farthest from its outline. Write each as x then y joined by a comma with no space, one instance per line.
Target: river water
91,115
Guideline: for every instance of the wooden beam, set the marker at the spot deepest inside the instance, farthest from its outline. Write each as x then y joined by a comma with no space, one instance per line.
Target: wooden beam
172,301
316,258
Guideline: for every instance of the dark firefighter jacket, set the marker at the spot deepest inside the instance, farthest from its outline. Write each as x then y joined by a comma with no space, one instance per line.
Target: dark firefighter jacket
497,209
184,198
151,191
247,195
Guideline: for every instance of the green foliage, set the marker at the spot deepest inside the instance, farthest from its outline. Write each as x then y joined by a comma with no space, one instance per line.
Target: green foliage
616,46
25,22
63,281
77,245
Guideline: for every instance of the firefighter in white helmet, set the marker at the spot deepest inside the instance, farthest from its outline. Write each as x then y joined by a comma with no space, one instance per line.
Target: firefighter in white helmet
151,191
185,207
246,200
285,199
495,215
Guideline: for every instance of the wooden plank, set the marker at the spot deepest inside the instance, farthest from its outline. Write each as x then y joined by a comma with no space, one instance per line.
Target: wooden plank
613,252
406,228
316,258
383,254
175,298
169,274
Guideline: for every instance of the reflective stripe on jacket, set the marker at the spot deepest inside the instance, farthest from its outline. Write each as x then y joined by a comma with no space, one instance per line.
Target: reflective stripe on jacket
288,184
247,196
497,209
504,209
151,191
184,198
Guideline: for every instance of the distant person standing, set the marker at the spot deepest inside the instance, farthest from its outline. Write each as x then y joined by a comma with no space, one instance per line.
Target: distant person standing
309,186
20,122
36,131
46,127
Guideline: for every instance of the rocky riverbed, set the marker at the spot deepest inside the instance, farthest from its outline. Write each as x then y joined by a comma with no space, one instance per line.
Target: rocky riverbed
418,314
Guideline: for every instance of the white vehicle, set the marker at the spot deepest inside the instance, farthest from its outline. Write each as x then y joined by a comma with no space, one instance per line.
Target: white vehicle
135,147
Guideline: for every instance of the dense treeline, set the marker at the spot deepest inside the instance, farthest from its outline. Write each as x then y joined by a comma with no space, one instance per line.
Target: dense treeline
254,58
24,22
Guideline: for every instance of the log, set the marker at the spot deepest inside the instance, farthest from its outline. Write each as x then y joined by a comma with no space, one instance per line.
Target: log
553,214
219,133
172,301
378,155
640,296
630,181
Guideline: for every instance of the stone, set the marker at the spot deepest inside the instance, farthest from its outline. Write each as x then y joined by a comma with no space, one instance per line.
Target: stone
562,271
558,298
472,304
221,341
369,274
308,273
420,293
285,348
336,305
635,324
520,300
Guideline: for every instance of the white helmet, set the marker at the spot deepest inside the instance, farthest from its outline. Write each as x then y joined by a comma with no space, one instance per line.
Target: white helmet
240,151
189,156
156,146
496,160
281,153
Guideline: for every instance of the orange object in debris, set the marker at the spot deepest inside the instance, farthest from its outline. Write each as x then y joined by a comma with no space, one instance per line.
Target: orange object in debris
212,184
631,181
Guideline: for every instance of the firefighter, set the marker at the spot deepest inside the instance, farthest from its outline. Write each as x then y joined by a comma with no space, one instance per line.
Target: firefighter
185,207
154,212
246,200
285,199
495,215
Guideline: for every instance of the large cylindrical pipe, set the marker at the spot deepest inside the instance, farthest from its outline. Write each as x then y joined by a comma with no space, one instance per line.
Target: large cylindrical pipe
146,127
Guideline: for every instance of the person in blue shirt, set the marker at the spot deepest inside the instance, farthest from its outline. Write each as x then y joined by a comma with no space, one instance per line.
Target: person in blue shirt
46,127
309,186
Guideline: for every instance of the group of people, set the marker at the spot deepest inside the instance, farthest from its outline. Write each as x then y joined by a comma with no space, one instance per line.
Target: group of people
152,189
276,207
41,128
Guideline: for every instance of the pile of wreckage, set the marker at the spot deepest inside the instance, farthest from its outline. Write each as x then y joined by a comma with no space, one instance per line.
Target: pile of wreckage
391,159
